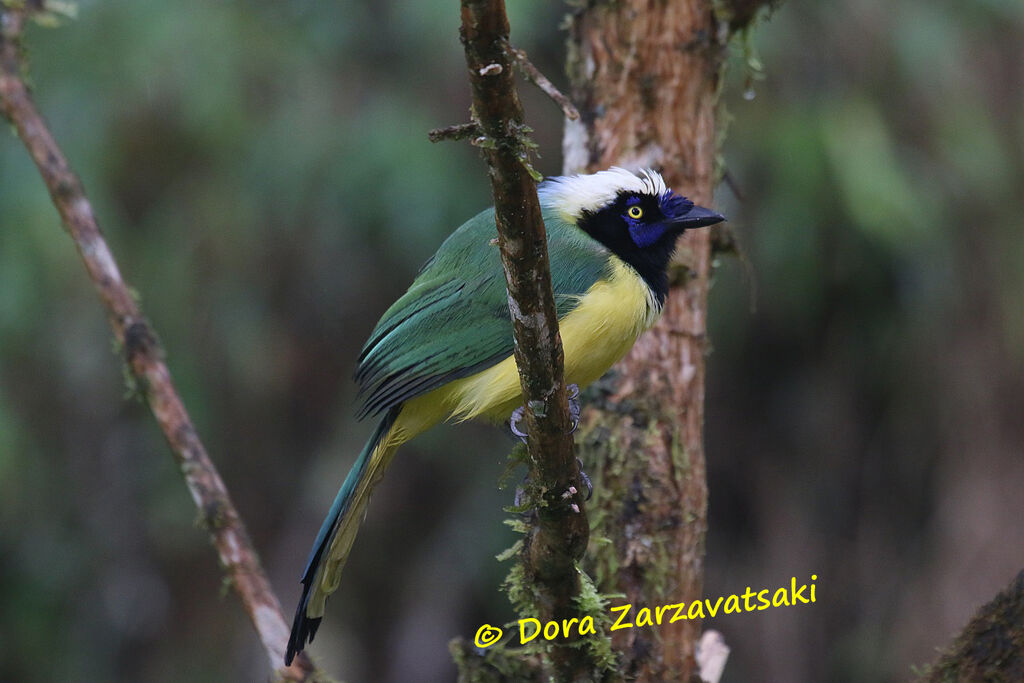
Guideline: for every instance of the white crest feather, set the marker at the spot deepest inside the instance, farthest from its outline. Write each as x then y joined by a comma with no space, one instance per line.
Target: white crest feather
574,194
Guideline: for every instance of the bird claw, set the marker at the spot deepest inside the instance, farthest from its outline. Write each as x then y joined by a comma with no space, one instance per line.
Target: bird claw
517,502
585,480
573,394
572,490
513,423
569,493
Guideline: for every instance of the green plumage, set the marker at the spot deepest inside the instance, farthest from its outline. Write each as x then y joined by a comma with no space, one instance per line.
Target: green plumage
454,320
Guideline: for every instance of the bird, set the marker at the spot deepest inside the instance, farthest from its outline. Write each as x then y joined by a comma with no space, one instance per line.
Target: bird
443,350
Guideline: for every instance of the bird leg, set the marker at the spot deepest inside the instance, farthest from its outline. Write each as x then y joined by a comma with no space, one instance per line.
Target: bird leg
573,392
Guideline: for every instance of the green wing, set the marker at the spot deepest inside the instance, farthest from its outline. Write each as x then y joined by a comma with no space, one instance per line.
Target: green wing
454,320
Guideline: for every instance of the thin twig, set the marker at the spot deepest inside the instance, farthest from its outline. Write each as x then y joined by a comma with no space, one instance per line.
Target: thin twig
144,355
733,185
557,536
741,13
459,131
541,81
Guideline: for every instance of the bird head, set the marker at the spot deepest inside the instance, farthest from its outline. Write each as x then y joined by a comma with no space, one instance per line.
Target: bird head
623,210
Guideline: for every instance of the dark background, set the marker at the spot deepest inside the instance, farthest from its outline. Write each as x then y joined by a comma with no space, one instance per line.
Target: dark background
263,174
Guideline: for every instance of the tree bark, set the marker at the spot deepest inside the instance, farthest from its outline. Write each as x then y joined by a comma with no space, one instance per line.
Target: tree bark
645,77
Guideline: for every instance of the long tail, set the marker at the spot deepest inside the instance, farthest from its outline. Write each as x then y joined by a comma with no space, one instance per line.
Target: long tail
333,543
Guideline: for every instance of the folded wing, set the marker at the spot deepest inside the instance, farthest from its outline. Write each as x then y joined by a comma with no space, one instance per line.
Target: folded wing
454,321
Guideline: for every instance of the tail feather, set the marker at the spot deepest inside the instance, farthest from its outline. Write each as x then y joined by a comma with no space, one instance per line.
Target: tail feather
338,532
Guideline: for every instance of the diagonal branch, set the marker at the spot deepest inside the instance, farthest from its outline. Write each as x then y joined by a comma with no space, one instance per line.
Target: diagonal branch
541,81
143,354
558,536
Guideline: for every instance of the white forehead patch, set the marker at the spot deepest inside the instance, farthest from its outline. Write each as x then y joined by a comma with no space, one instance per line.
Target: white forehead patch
574,194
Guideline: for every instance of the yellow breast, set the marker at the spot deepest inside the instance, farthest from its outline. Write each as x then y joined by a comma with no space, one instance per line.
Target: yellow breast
606,324
595,335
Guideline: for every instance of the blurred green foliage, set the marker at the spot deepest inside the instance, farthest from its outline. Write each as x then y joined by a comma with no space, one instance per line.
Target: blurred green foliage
263,174
864,391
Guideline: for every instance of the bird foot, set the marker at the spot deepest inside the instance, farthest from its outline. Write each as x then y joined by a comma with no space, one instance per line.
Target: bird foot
568,494
513,423
573,392
585,480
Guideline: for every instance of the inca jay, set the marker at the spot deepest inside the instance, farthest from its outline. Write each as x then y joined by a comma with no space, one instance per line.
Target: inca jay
443,351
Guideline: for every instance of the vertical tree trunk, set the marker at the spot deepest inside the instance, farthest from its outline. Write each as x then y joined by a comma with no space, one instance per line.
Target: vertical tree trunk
645,76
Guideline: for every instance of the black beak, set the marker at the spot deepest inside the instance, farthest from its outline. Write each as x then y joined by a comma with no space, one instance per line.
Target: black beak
697,217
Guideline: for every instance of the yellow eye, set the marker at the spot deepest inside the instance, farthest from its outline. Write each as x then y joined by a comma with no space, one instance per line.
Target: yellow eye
634,212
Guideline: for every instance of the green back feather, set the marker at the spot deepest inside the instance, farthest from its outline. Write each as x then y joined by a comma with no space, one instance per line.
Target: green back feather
454,320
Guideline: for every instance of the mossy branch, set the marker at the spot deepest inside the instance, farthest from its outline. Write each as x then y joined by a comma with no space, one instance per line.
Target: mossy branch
557,536
991,646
